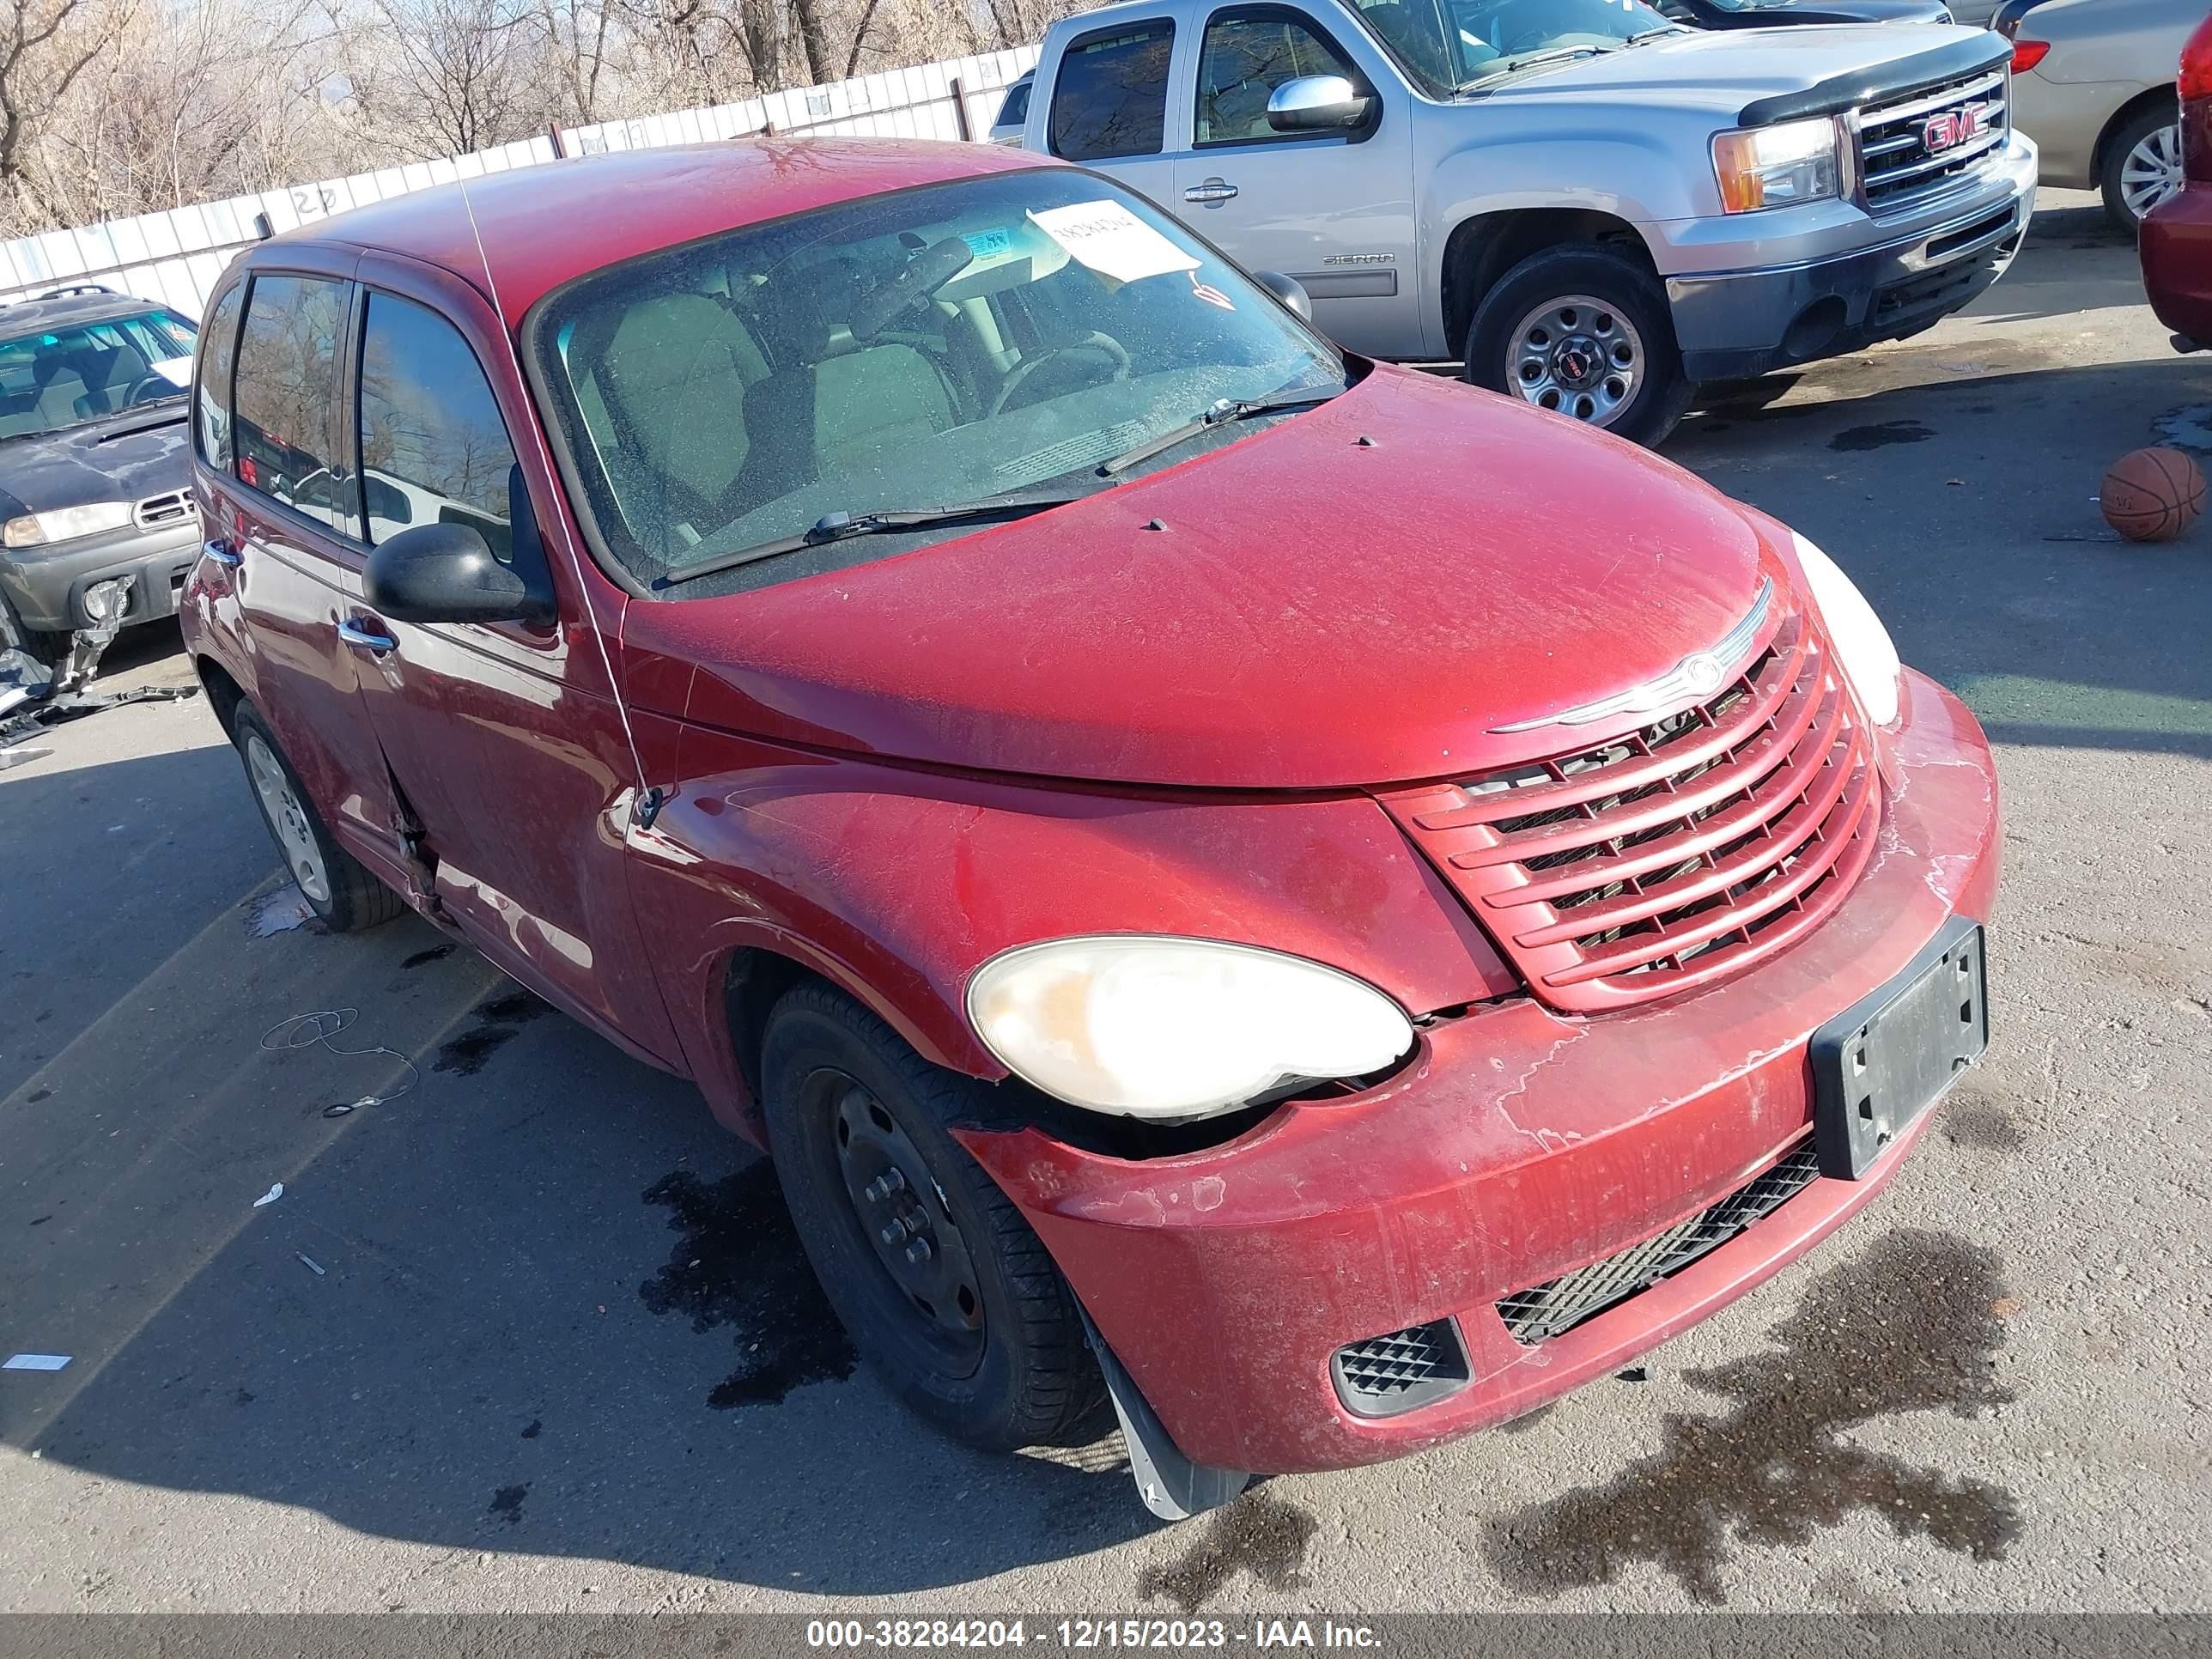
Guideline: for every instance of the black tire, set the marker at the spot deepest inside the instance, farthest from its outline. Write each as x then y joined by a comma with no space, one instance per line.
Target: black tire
48,650
1656,400
1024,1376
2139,126
352,898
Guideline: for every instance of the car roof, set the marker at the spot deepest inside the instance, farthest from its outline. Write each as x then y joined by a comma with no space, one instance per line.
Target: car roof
544,225
67,309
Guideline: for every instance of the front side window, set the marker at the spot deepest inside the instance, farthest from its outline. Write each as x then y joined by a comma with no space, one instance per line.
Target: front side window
1111,98
68,375
1001,336
1246,56
283,426
434,448
211,420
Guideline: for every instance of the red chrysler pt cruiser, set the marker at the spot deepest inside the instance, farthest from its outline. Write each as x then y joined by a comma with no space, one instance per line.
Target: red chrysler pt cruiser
1316,905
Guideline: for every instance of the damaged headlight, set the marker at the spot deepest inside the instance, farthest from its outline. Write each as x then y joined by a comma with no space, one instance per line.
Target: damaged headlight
1178,1028
1862,644
65,523
1779,165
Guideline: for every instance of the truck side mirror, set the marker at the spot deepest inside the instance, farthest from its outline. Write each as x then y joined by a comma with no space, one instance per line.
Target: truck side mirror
1318,103
1289,291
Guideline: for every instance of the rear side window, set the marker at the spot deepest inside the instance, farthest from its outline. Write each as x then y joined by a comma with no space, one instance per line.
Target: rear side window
211,415
1247,56
434,449
283,425
1111,98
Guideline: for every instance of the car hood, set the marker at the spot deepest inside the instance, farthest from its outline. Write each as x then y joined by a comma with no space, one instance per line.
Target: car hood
1726,69
120,457
1358,595
1775,12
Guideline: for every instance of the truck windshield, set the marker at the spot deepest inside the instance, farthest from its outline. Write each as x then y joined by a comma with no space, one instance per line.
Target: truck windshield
998,336
1447,45
66,375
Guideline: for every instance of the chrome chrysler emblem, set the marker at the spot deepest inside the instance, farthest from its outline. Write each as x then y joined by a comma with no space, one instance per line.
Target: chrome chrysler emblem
1698,675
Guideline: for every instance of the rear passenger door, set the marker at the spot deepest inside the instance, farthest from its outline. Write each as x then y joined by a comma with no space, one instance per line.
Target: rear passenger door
1111,95
1335,210
291,549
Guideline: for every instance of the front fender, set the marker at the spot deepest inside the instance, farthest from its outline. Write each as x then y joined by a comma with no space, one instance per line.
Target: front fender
898,884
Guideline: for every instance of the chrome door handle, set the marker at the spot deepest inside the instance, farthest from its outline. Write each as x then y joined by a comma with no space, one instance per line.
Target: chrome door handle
1212,194
362,639
222,553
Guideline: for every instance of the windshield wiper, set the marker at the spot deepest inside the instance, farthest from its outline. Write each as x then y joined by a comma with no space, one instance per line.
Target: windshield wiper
1530,60
1220,412
843,526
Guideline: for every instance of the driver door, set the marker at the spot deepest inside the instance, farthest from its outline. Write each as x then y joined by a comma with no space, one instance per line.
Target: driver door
1334,210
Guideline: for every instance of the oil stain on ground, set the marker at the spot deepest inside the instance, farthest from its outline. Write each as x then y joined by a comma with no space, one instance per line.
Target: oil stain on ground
506,1503
739,1263
1907,1328
434,953
498,1022
1880,434
1259,1534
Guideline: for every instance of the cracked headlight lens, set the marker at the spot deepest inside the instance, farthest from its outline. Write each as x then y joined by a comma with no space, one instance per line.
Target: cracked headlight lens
1158,1028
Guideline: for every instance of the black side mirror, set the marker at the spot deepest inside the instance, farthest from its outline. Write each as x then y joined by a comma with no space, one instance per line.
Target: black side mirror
446,572
1288,290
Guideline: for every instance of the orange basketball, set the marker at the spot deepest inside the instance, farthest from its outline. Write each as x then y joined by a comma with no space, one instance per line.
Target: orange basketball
2152,495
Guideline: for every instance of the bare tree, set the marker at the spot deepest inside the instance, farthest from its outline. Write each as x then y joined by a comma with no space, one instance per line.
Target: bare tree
45,49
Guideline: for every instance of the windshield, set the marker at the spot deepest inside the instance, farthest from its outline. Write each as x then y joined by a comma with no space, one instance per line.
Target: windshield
1495,37
60,377
1450,44
930,347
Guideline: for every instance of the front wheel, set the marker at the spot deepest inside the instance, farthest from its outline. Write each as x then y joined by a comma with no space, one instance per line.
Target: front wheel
1587,334
941,1282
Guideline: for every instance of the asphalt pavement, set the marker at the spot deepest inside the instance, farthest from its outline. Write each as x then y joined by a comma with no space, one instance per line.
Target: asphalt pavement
531,1332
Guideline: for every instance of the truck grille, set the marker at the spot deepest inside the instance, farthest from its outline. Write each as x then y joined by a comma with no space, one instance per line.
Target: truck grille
1550,1310
1685,850
157,511
1921,146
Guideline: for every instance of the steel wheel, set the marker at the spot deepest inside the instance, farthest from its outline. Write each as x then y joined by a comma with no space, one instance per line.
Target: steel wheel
302,858
903,1215
2151,172
1578,357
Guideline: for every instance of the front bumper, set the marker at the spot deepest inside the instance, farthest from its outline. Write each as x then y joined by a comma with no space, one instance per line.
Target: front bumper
1520,1144
2176,243
1734,325
46,586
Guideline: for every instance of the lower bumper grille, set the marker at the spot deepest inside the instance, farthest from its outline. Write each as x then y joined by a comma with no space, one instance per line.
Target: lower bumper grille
1551,1310
1400,1370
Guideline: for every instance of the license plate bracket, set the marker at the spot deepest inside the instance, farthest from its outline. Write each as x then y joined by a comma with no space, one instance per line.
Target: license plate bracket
1890,1057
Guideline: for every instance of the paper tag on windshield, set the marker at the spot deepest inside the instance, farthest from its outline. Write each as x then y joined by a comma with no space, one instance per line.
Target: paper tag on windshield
1108,239
177,371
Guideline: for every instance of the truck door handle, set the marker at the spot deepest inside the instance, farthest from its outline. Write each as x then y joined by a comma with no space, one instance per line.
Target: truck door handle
1212,194
222,552
362,639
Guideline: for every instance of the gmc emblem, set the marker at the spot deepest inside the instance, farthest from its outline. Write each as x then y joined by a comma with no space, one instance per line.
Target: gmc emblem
1953,127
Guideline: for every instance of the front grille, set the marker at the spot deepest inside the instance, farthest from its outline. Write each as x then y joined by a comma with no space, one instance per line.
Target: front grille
1535,1316
158,510
1918,147
1387,1375
1687,850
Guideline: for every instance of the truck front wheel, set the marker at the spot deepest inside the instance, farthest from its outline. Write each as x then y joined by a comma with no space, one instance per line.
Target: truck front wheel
1583,332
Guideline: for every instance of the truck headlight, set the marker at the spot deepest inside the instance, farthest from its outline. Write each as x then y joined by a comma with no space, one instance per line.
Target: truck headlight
1160,1028
1779,165
1862,644
65,523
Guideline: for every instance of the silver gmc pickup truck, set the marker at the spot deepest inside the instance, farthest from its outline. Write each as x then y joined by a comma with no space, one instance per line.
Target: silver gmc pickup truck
1589,205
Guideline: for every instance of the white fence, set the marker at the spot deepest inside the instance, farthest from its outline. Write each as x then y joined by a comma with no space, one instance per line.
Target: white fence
175,257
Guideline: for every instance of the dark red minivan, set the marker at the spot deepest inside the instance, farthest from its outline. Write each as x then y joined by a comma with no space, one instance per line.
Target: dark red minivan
1319,906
